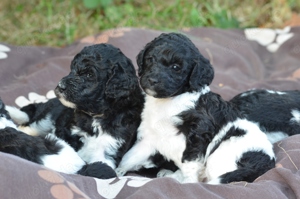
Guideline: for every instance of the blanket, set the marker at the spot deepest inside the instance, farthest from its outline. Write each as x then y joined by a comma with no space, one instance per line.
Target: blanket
242,59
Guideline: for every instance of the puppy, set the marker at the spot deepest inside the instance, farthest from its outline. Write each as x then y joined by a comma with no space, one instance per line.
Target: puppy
276,112
40,119
49,151
205,136
97,109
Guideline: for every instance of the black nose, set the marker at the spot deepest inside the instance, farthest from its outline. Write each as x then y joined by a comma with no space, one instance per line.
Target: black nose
152,81
61,86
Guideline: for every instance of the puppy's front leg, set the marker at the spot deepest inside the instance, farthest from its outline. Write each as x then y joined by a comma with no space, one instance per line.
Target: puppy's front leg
192,171
189,172
168,173
136,158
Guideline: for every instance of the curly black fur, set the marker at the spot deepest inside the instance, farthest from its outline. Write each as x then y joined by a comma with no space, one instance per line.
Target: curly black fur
273,111
100,97
180,107
49,150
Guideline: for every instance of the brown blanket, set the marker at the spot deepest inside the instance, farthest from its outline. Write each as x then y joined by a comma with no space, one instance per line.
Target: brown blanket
242,59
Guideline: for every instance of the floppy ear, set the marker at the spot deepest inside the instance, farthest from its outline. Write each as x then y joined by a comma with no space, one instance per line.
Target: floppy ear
121,82
202,74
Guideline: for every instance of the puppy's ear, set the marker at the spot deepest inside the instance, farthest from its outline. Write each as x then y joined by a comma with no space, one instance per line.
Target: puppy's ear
202,74
121,82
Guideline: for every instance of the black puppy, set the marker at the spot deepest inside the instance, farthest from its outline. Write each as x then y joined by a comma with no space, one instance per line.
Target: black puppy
103,103
276,112
49,150
204,135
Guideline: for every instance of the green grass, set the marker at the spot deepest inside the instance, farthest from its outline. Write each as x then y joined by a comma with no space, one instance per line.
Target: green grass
60,22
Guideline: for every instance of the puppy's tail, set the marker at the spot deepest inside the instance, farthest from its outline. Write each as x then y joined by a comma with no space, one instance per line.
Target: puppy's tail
97,170
18,116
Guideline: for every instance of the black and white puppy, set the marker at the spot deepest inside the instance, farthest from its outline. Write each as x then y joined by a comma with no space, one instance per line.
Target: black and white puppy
205,136
276,112
101,106
49,150
40,119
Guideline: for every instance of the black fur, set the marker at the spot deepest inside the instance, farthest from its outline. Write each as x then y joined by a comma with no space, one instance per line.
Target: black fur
257,161
172,68
98,170
272,110
103,87
37,148
61,118
99,97
16,142
209,116
167,71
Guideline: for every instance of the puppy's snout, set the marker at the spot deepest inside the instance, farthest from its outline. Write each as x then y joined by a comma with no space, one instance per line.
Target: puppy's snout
61,86
152,81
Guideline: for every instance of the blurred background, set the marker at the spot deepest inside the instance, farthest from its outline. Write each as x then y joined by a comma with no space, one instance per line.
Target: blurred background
61,22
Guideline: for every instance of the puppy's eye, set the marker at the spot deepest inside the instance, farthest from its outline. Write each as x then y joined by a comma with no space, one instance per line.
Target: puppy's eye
89,75
176,67
149,59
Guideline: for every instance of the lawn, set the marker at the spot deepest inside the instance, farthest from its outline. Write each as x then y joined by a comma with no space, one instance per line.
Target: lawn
59,22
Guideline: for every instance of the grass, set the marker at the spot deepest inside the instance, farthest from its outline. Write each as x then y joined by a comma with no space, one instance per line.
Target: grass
60,22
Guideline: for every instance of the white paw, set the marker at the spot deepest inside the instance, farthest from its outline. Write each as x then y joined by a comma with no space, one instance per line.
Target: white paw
164,173
120,172
215,181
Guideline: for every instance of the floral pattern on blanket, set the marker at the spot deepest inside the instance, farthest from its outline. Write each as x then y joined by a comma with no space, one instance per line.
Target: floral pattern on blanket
33,97
111,188
270,38
61,188
3,51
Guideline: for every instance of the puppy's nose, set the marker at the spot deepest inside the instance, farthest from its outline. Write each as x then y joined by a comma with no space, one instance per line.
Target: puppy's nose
152,81
61,86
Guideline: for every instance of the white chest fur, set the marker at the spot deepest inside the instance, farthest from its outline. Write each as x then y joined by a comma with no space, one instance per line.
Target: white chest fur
159,119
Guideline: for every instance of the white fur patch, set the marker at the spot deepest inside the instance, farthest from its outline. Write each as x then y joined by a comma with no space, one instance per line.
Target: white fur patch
98,148
276,136
252,91
158,123
296,116
67,103
17,115
247,93
29,131
224,158
276,92
150,92
41,127
66,161
136,157
158,132
6,123
168,173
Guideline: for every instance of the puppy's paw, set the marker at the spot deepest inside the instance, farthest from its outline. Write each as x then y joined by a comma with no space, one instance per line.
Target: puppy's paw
164,173
215,181
120,172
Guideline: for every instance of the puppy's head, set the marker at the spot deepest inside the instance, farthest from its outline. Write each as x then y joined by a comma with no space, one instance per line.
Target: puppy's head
99,74
171,65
